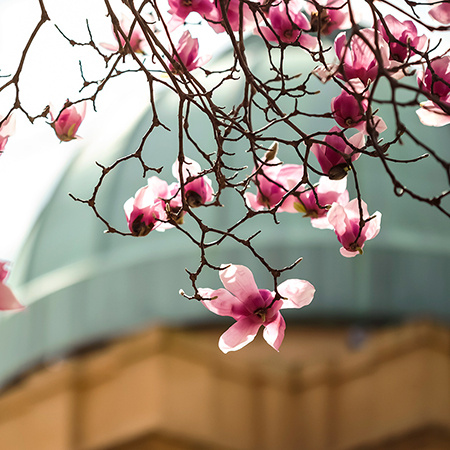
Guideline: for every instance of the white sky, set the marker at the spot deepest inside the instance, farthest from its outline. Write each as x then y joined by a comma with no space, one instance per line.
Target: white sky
34,157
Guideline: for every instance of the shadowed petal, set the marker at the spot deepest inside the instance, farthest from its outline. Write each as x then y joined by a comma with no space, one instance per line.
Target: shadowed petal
224,303
274,332
239,334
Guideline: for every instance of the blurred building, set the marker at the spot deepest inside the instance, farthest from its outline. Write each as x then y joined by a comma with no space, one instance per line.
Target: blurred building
109,356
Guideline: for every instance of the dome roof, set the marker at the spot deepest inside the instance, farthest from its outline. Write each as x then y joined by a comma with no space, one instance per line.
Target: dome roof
83,285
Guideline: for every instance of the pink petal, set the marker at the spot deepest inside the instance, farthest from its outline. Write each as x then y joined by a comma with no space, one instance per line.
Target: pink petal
239,334
431,115
299,293
274,332
224,303
240,282
441,13
8,300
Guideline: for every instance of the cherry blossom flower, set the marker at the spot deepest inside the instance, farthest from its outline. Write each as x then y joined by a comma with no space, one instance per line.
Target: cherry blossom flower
288,25
335,17
180,9
68,121
441,12
137,39
7,129
274,180
198,191
435,84
327,192
215,18
334,156
8,300
346,223
252,307
357,58
406,35
187,50
145,211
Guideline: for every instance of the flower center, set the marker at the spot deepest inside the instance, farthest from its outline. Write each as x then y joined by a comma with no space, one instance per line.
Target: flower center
140,228
194,199
262,313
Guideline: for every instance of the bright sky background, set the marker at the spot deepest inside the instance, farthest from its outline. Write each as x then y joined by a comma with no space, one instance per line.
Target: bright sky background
33,157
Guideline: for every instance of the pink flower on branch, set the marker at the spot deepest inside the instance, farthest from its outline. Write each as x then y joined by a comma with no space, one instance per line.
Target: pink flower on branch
145,211
252,307
336,153
346,221
197,189
435,84
180,9
333,16
357,56
441,12
8,300
315,204
216,21
7,129
134,34
288,23
68,121
187,55
405,38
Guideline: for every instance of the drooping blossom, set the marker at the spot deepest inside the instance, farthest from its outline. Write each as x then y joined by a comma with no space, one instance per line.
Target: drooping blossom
7,129
273,180
327,192
180,9
68,121
252,307
357,58
138,42
335,154
198,191
8,300
288,25
350,109
405,38
333,16
215,17
441,12
145,211
187,50
346,223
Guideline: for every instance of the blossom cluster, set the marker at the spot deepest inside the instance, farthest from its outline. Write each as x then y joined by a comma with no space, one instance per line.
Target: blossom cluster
159,206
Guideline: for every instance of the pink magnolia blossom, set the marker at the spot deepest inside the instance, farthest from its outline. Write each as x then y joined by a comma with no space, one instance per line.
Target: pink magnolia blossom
441,12
334,16
187,50
145,211
8,300
288,25
357,58
214,17
406,35
198,191
350,107
252,307
7,129
68,121
137,39
327,192
180,9
334,156
346,223
437,88
273,181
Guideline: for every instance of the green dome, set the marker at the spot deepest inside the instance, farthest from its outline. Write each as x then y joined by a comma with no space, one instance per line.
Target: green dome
84,286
